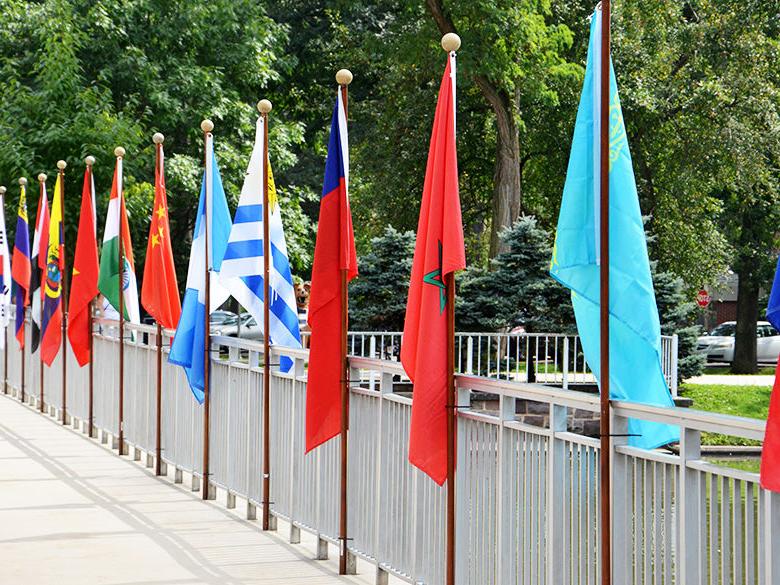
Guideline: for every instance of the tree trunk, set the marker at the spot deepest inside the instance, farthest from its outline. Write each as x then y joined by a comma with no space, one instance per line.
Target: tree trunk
747,316
507,192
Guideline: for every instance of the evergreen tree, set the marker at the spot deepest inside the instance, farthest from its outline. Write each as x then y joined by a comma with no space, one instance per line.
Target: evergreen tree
518,289
378,296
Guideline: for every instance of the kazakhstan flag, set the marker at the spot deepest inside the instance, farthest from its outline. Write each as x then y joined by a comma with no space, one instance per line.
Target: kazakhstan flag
635,330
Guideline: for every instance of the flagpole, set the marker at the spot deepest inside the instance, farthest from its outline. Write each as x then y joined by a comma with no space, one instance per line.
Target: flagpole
119,152
605,446
264,107
41,194
158,139
22,184
5,329
61,164
451,43
344,78
207,126
90,160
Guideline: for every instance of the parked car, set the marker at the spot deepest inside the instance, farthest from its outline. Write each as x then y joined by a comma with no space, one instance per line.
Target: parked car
718,344
229,327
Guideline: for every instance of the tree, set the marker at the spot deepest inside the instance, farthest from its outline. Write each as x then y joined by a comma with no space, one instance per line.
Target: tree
378,296
517,290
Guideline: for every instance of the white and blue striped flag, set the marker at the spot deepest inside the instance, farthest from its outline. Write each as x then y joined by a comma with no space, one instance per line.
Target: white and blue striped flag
242,265
189,344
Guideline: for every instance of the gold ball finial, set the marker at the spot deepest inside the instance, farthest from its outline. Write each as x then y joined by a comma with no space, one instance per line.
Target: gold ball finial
158,138
119,152
450,42
343,76
22,181
264,106
42,178
207,125
61,164
90,160
2,190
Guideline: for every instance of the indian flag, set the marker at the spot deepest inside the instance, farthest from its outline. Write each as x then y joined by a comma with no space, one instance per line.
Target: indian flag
108,280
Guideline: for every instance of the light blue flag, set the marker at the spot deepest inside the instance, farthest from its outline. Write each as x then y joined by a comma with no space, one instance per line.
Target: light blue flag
189,344
635,331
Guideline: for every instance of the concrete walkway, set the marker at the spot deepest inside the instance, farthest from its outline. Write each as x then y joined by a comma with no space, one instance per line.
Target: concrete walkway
73,512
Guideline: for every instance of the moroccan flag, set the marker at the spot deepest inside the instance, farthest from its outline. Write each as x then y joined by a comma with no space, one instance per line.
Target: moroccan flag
84,286
108,279
38,262
20,266
51,311
160,291
438,253
770,453
334,251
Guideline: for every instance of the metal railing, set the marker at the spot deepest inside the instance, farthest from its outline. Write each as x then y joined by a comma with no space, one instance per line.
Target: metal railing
546,358
527,496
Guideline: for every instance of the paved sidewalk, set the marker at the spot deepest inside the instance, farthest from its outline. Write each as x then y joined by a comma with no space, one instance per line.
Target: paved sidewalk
732,380
73,512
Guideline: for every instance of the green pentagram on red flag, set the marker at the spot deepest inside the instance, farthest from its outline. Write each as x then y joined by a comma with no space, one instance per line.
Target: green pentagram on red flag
435,278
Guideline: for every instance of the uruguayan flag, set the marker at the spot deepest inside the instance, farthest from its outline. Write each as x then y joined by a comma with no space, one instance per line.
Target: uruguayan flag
189,344
242,265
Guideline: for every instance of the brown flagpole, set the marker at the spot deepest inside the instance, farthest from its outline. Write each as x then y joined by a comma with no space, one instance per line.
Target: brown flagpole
90,160
605,446
264,107
5,329
119,152
344,78
42,193
207,126
22,185
451,43
61,165
158,139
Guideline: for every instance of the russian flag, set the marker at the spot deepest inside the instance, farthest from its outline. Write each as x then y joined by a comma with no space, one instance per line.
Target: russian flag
333,252
21,269
189,345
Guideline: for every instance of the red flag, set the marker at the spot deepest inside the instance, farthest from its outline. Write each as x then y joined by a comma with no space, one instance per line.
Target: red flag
333,252
770,453
438,253
160,291
85,273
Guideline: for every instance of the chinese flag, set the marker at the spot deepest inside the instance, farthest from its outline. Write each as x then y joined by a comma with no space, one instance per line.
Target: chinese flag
438,253
334,252
160,291
84,287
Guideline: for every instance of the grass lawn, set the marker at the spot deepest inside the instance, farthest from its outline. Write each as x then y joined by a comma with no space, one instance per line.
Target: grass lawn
726,371
749,401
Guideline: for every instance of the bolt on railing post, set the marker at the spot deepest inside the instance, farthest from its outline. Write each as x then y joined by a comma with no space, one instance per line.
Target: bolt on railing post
690,560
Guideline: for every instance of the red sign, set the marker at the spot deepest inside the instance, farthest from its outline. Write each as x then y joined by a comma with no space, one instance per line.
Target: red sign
703,299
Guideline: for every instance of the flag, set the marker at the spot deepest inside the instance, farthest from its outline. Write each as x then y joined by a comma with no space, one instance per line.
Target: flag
38,264
635,331
108,278
438,252
334,251
51,310
189,344
84,284
770,453
5,274
242,266
20,271
160,291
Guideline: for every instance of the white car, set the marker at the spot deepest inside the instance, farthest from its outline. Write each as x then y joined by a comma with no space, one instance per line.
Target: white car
718,345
